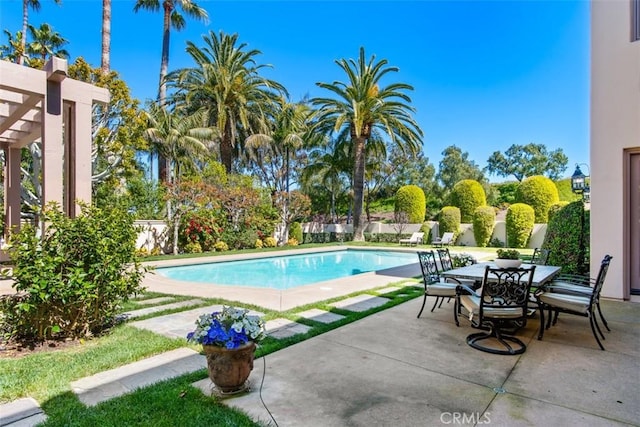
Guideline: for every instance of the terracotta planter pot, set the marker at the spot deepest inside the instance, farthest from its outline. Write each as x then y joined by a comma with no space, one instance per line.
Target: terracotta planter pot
229,369
508,263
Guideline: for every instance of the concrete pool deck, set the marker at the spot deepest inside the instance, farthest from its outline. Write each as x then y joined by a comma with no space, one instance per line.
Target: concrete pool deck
282,300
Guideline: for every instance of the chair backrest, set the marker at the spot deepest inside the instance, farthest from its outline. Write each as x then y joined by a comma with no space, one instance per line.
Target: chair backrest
540,256
429,267
504,288
417,236
597,287
445,259
447,238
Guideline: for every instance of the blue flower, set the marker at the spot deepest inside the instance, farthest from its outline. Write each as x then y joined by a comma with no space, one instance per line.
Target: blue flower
229,328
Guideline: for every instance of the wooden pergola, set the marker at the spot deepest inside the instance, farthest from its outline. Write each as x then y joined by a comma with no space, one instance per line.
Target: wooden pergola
49,106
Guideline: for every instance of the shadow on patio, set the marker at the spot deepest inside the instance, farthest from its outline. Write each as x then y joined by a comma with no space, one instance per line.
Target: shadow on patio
393,369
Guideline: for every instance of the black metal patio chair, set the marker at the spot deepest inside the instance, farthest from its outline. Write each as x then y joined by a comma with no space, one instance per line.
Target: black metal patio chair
501,309
434,285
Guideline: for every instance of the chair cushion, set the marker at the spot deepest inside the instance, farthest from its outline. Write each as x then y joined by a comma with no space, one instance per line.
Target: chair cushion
561,286
471,303
441,289
576,303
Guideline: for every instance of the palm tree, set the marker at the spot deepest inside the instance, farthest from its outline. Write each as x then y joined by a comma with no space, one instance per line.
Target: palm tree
226,82
171,18
26,4
106,36
46,43
179,138
13,50
362,106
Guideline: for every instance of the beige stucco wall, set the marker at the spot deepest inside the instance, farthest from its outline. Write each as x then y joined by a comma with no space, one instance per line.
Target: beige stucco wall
615,126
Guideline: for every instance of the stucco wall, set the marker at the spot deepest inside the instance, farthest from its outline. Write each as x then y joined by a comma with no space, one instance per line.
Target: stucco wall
615,126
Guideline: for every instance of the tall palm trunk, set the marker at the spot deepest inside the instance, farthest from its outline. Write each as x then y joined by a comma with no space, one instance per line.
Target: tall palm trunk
106,36
226,147
358,189
25,24
164,63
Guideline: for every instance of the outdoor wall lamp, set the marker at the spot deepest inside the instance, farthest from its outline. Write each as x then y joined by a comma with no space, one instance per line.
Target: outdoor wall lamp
579,183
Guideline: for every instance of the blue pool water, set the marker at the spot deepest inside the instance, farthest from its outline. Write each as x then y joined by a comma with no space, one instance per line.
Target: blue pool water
285,272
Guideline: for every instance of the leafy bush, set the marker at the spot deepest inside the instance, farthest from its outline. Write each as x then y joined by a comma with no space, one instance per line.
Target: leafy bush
259,244
565,192
221,246
245,238
563,237
270,242
467,195
192,248
555,208
292,242
449,220
295,231
540,193
496,243
411,200
508,254
519,222
76,275
202,227
506,193
484,220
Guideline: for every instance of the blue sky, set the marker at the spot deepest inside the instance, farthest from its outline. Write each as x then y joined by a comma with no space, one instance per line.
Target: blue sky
486,74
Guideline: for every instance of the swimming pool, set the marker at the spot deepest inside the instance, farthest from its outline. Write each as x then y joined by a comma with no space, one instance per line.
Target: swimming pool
286,272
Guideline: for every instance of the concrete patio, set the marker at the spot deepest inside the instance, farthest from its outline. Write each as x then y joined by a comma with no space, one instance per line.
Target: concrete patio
393,369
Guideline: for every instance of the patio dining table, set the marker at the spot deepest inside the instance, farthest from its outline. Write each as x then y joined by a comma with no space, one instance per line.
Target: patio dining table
542,274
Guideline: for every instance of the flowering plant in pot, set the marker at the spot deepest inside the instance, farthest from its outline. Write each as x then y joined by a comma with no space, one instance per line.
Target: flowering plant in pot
228,338
508,258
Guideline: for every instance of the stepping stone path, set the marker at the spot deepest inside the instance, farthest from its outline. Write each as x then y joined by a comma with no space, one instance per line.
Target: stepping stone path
178,325
21,413
388,290
150,310
116,382
152,301
284,328
360,303
321,316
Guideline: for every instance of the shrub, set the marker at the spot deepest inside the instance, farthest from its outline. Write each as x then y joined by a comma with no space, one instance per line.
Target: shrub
508,254
259,244
411,200
555,208
484,219
200,227
496,243
563,237
295,231
270,242
506,193
292,241
76,275
468,195
540,193
519,222
221,246
449,220
192,248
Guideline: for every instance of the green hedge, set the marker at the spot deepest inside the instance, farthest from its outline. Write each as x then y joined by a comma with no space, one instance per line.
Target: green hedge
484,220
519,223
449,220
563,237
468,195
555,208
411,200
540,193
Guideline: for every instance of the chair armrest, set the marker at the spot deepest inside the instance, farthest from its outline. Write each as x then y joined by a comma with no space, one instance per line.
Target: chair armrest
466,290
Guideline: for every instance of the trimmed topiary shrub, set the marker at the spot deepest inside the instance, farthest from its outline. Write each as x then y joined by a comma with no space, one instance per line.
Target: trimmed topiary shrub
484,220
468,195
295,231
519,223
449,220
555,208
540,193
563,237
411,200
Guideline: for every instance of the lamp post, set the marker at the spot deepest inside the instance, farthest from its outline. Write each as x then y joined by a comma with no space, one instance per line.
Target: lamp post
579,186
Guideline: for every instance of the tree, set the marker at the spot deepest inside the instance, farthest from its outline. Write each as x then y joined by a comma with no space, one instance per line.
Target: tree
226,83
12,51
361,106
106,36
46,43
454,167
532,159
172,18
26,4
298,206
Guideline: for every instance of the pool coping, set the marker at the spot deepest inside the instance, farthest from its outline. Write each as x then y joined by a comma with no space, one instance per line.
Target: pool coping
274,299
